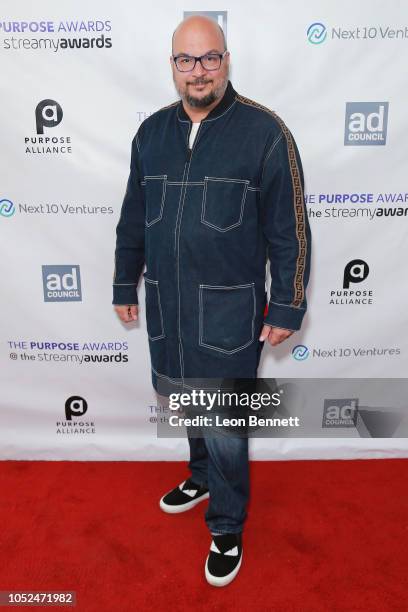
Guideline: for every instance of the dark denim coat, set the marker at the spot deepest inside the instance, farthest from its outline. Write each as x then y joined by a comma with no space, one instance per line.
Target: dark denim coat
205,222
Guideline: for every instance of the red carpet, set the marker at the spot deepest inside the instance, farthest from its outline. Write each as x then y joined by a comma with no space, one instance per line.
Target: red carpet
321,536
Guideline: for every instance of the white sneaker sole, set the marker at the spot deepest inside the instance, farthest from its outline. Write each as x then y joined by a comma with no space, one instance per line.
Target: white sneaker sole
182,507
220,581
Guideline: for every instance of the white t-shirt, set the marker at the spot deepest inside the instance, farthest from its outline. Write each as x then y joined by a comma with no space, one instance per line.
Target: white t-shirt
193,134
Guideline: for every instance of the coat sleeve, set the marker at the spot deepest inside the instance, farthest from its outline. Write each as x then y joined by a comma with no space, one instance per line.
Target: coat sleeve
129,251
287,231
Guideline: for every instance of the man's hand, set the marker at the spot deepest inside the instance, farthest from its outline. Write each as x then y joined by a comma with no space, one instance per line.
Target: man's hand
274,335
127,313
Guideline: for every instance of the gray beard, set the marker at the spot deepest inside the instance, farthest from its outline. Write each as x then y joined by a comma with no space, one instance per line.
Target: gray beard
208,99
201,102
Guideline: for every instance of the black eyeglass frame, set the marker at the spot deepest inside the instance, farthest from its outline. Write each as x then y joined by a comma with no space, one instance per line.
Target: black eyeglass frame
198,59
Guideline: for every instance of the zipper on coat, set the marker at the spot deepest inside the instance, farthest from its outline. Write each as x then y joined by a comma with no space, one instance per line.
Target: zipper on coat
183,185
188,141
177,238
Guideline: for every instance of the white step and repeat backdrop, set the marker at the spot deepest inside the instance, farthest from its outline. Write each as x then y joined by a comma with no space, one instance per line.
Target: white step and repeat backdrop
335,72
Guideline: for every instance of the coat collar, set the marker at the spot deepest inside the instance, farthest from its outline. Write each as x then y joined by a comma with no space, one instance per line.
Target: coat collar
224,104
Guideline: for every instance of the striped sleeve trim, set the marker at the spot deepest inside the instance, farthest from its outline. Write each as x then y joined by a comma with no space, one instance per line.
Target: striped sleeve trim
298,202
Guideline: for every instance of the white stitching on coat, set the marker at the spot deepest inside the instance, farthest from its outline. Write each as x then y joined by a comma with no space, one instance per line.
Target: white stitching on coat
156,284
162,177
206,120
178,208
201,316
197,183
183,383
185,183
275,142
288,305
172,380
204,199
279,327
187,165
222,114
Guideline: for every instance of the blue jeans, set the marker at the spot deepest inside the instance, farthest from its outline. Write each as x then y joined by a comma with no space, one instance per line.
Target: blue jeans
221,463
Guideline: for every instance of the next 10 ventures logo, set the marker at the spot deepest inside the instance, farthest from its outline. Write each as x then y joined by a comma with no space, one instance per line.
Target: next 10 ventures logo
317,33
301,352
7,208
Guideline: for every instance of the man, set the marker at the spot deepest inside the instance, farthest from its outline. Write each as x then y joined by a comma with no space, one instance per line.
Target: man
215,188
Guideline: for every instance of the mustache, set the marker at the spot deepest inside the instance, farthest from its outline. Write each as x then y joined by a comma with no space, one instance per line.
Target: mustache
199,81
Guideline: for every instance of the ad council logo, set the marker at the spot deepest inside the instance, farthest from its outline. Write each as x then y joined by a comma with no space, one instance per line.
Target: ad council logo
6,208
316,33
366,123
61,283
340,412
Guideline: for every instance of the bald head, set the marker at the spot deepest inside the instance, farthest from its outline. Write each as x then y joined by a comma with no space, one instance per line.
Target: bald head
196,29
202,86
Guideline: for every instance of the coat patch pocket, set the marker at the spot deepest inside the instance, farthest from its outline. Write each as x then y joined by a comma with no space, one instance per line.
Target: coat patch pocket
226,316
154,314
155,195
223,202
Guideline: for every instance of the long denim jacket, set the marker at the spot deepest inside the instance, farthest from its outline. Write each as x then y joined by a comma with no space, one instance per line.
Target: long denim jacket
205,222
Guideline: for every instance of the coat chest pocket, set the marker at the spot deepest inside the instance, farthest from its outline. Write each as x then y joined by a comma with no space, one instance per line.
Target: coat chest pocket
226,317
154,314
155,195
223,202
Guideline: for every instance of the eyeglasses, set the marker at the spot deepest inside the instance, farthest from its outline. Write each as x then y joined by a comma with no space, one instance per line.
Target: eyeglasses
209,61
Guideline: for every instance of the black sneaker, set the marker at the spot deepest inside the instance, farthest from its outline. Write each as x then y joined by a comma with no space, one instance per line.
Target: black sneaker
183,497
224,559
